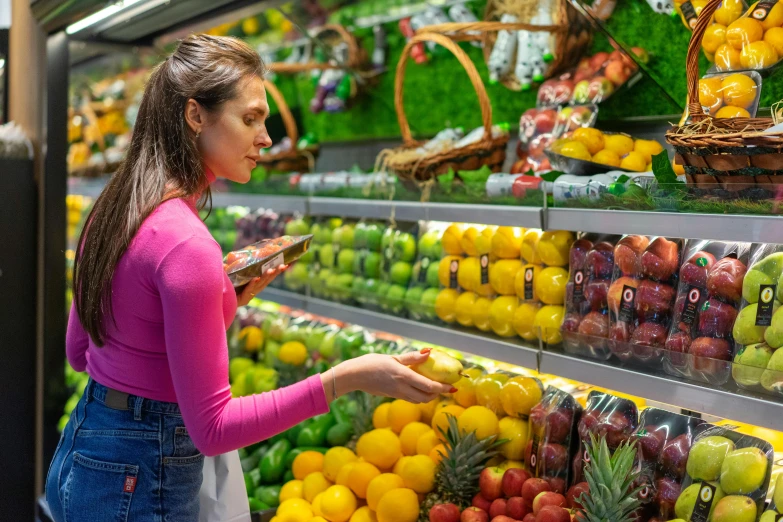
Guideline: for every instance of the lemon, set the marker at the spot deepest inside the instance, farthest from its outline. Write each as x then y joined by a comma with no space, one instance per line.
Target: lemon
480,419
398,505
380,417
428,410
427,441
529,248
402,413
501,315
438,453
250,26
410,435
576,150
296,514
481,313
445,267
506,242
550,285
525,279
714,37
291,489
338,504
335,459
555,246
451,241
307,462
607,157
519,394
515,433
620,144
463,308
465,395
441,421
316,518
739,90
591,138
732,112
469,274
360,476
549,319
727,58
252,337
317,505
774,37
380,485
380,448
419,474
445,305
468,241
293,503
483,242
524,319
314,484
502,274
488,391
710,94
345,472
293,353
397,470
744,31
650,148
729,11
634,161
363,514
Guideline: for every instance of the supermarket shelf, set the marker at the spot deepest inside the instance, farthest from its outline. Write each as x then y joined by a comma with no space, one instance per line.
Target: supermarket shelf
727,227
254,201
87,187
465,341
734,405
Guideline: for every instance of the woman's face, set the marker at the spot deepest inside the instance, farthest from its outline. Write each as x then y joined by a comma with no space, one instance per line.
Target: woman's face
231,137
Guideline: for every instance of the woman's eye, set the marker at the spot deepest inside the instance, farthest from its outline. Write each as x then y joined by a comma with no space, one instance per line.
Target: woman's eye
249,120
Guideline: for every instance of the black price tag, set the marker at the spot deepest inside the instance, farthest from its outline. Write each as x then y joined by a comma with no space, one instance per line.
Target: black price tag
579,286
529,273
362,260
703,505
625,314
336,248
534,456
484,260
766,304
453,268
424,264
691,310
689,13
762,9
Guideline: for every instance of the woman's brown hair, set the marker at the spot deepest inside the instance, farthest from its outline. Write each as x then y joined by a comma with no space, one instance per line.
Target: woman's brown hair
163,162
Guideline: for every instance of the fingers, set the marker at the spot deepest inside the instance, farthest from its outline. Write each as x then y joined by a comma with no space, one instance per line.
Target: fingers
424,384
417,396
413,357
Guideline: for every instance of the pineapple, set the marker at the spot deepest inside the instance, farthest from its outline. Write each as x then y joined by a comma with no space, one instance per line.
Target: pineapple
362,421
612,497
457,476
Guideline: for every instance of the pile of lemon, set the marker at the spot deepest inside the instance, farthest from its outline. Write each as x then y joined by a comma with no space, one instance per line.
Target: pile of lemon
731,96
612,150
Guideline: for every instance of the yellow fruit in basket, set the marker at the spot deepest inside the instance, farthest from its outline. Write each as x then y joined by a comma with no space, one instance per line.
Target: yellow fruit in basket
744,31
445,268
714,37
526,278
739,90
502,274
729,11
620,144
338,504
529,248
515,432
360,476
554,247
483,241
363,514
452,241
488,391
380,485
441,421
314,484
428,410
607,157
481,313
335,459
524,318
710,94
293,353
774,37
419,474
576,150
480,419
291,489
549,319
398,505
464,308
401,413
506,242
591,138
410,436
307,462
381,448
758,55
501,315
427,441
727,58
634,161
469,273
550,285
380,417
647,148
519,394
445,305
732,112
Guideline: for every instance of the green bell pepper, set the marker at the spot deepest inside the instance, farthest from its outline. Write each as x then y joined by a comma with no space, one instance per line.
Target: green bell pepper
249,463
252,480
269,495
271,466
256,505
315,433
339,434
289,476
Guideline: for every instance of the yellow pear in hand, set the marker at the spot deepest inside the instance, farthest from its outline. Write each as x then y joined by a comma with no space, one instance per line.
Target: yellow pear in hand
440,367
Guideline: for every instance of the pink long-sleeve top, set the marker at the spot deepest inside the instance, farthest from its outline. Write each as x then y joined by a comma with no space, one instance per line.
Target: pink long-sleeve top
172,305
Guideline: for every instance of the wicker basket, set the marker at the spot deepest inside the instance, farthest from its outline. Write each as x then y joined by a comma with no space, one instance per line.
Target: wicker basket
292,160
734,153
488,151
357,57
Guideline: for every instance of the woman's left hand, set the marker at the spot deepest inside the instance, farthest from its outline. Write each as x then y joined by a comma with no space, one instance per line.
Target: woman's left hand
258,284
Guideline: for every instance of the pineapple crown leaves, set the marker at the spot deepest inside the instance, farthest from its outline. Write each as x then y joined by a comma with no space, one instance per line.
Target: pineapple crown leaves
466,455
610,478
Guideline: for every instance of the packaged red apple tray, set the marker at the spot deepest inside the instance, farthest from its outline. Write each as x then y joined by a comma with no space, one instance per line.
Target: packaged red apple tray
586,325
244,265
727,476
641,298
700,345
758,330
553,438
607,416
663,441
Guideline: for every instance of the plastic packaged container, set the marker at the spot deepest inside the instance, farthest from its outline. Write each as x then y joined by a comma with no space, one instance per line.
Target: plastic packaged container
367,261
599,76
323,267
750,42
423,287
253,261
398,254
776,504
699,344
727,473
729,95
553,438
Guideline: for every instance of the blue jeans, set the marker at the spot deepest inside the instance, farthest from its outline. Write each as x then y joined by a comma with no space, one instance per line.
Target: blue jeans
118,463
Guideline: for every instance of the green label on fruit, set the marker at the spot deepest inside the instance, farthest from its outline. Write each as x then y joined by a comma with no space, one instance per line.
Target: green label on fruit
484,269
766,302
691,310
453,269
579,281
762,9
625,315
689,13
701,510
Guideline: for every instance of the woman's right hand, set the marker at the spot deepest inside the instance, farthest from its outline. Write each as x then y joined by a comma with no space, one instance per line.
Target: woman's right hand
386,376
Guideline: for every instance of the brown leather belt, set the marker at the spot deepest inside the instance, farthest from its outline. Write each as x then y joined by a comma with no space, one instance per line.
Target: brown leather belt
116,400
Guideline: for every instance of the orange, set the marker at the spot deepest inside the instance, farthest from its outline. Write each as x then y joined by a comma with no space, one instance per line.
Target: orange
714,37
648,149
634,161
437,453
607,157
710,94
774,17
591,138
744,31
774,37
758,55
575,149
306,463
440,422
519,394
738,90
618,143
729,11
732,112
727,58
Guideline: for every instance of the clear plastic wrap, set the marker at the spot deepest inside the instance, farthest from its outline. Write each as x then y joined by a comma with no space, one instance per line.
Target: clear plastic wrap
367,262
730,95
423,287
398,254
244,265
753,41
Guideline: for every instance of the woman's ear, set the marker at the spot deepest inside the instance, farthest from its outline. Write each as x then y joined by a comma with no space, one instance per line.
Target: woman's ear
194,115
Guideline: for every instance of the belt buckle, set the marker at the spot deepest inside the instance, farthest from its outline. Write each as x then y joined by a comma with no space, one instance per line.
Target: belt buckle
116,400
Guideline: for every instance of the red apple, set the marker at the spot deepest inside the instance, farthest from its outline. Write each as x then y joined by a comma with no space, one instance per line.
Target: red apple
694,271
554,457
516,508
538,414
617,72
497,508
512,481
558,425
710,355
557,484
598,59
674,455
725,279
595,292
600,260
491,483
553,514
545,121
578,254
474,514
641,54
599,89
588,424
615,295
649,334
531,489
444,513
677,344
595,324
548,498
627,254
660,259
716,318
563,90
530,517
481,503
574,492
502,518
651,440
616,427
666,493
653,298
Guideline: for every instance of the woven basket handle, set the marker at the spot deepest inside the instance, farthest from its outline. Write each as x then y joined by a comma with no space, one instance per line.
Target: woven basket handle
467,63
285,112
353,53
692,59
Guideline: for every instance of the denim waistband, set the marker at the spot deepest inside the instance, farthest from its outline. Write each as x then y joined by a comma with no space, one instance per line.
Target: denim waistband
98,392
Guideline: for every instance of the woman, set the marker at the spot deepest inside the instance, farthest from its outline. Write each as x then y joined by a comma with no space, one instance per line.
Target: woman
152,305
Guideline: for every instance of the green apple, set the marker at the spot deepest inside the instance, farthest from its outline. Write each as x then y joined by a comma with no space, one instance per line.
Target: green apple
317,231
404,247
769,516
297,227
372,265
772,378
749,363
374,235
326,256
395,297
400,273
344,236
315,338
745,330
428,299
360,236
777,496
309,256
388,238
357,287
345,261
432,274
413,297
766,272
327,346
429,244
